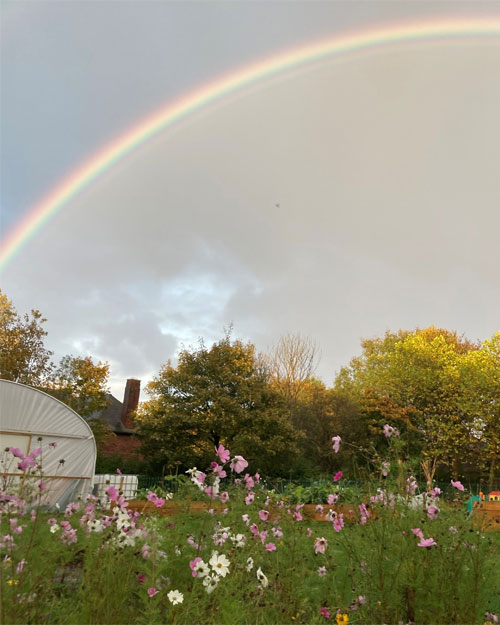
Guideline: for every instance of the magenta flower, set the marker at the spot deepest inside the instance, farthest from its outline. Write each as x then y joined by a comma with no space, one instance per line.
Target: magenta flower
263,515
336,443
427,542
320,545
418,532
458,485
141,578
270,547
222,453
337,476
254,529
325,613
152,592
119,472
238,464
52,444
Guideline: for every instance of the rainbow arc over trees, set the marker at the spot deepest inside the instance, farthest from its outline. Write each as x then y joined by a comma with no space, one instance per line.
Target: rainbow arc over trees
188,104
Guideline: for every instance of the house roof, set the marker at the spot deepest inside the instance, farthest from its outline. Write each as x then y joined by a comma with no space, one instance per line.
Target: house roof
112,415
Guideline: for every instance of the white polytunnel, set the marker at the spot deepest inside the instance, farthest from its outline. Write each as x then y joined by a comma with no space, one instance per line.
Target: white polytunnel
30,419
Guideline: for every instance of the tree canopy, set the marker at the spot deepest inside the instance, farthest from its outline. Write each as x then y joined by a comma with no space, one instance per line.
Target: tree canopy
216,395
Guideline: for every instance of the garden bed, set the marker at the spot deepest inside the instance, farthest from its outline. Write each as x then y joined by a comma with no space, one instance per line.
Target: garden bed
486,515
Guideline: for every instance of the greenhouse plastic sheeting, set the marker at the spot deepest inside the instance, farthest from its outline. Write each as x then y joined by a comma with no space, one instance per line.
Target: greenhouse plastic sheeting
27,414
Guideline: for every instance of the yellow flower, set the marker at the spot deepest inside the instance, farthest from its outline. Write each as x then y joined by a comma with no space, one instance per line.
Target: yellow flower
342,619
12,582
379,603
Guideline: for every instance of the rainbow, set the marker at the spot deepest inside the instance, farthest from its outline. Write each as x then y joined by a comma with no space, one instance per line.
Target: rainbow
188,104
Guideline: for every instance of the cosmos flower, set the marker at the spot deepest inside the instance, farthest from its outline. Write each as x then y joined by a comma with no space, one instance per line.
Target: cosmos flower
336,443
458,485
175,597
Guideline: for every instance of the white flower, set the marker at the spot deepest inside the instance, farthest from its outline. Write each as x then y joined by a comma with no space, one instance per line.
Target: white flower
95,525
201,569
249,564
210,582
54,528
175,597
219,563
177,551
262,578
239,540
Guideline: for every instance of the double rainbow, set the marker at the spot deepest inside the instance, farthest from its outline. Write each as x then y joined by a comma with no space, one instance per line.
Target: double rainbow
188,104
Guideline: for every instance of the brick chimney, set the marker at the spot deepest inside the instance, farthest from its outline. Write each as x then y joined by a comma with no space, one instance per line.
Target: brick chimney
130,402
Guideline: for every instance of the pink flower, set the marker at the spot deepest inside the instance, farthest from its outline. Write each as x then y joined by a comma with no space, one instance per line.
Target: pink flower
336,443
52,444
245,518
332,499
458,485
219,471
249,483
361,599
491,617
322,571
112,493
254,529
337,476
309,532
249,498
256,477
320,545
263,536
152,592
270,547
263,515
141,578
20,567
435,491
119,472
427,542
224,496
390,431
297,515
223,453
338,522
16,452
325,613
193,564
418,532
432,512
238,464
210,492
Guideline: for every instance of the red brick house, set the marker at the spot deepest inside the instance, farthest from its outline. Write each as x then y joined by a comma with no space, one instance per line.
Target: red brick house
117,416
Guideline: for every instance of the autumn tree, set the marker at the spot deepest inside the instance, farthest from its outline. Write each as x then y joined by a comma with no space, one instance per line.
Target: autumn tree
413,380
81,384
23,355
77,381
213,396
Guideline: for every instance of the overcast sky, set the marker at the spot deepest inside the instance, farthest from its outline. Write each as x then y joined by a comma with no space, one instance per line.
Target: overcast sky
357,195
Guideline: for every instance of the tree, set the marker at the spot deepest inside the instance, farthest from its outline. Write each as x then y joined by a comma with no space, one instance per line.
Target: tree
23,356
413,379
291,364
213,396
80,384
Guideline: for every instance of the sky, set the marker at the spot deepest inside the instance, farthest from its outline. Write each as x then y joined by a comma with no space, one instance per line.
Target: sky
339,200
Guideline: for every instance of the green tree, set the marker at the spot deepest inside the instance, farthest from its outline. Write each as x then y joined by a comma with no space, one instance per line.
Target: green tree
413,380
81,384
23,356
213,396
